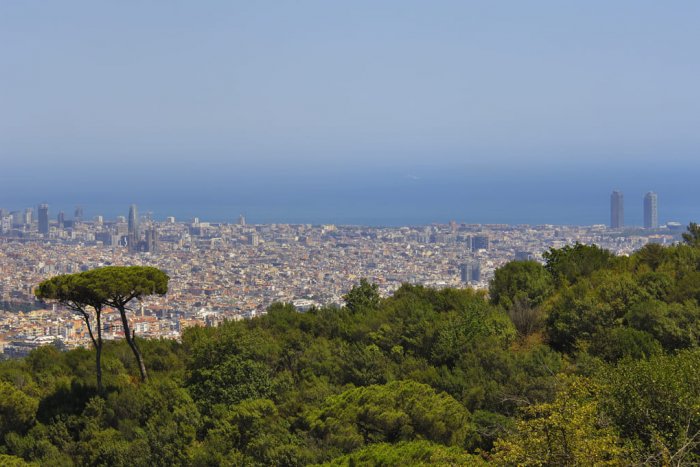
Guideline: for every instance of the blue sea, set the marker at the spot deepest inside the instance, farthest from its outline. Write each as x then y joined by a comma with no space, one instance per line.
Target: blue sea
390,195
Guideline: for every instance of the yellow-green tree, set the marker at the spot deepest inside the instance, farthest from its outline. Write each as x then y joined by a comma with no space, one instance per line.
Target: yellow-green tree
568,431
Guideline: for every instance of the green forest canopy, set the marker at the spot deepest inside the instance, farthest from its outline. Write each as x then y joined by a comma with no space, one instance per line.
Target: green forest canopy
590,358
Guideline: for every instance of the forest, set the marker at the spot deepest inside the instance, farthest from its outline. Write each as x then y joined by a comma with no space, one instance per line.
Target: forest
587,359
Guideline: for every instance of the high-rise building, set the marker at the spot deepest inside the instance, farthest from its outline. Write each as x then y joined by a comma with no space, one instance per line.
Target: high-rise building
17,219
152,240
651,211
253,239
470,271
28,216
5,224
617,210
480,242
78,214
134,221
44,218
61,219
241,220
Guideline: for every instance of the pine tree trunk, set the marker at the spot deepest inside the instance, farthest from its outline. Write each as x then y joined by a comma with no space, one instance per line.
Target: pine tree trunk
98,364
132,343
98,348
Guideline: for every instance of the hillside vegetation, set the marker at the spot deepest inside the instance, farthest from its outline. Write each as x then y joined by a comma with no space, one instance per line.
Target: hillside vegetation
588,359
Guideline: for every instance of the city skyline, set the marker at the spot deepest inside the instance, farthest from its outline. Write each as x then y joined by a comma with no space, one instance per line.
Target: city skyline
132,219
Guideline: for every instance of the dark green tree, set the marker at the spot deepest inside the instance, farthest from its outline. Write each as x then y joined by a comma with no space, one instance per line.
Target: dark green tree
525,281
570,263
364,296
17,410
397,411
692,236
119,285
652,255
79,293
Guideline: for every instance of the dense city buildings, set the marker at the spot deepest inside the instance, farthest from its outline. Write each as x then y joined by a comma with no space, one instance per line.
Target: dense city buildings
651,211
225,271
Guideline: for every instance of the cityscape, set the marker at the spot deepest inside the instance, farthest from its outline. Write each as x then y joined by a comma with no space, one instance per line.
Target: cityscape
360,233
231,271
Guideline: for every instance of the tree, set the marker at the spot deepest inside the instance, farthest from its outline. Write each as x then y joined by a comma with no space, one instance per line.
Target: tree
362,296
692,236
651,254
521,287
397,411
654,403
17,410
567,431
570,263
408,453
524,281
119,285
78,292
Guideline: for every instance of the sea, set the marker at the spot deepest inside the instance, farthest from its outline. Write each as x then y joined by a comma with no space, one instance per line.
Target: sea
384,196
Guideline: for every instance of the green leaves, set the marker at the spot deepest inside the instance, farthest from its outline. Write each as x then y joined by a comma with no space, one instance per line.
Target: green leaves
396,411
364,296
527,282
17,410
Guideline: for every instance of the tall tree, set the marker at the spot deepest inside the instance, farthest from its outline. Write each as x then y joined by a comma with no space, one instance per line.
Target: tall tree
692,236
525,281
569,264
79,293
364,296
119,285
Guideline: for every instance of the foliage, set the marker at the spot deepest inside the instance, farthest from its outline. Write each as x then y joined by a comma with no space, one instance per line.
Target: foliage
656,403
590,359
364,296
17,410
525,282
692,236
416,453
397,411
569,264
567,431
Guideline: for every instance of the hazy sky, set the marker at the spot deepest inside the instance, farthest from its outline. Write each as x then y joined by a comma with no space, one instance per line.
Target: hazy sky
231,91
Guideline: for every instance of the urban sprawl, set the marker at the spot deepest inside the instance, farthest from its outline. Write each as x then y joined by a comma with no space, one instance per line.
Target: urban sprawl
230,271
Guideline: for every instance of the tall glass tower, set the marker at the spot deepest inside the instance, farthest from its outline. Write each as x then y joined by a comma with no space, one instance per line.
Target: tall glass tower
617,210
651,211
43,218
133,222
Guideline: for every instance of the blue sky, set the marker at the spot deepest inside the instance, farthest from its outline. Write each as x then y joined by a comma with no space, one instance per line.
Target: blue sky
162,93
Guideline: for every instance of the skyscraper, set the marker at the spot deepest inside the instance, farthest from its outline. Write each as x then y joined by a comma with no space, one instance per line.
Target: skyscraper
617,210
470,271
152,240
651,211
78,214
134,222
28,216
480,242
43,218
